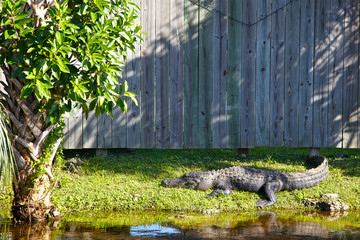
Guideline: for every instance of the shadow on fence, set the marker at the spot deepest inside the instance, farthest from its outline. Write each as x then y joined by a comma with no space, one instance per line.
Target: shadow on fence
207,77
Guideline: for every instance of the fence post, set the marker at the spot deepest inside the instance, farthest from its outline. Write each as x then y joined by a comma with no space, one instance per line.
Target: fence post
101,152
314,152
243,152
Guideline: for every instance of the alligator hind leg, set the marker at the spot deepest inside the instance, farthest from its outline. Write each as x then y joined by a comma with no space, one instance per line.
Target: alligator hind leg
270,189
219,191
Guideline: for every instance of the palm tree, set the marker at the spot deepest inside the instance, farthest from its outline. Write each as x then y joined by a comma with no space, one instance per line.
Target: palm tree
7,159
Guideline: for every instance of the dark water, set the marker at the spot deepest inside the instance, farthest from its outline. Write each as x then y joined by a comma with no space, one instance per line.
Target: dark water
150,225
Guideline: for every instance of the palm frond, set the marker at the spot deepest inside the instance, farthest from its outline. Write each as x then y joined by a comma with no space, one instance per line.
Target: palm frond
7,159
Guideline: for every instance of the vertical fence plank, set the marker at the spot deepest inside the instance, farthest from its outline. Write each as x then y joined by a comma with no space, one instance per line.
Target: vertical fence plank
104,134
306,86
291,118
176,72
133,114
336,73
75,130
118,129
219,75
147,104
162,73
277,75
234,73
320,97
262,133
119,122
351,77
89,131
206,59
133,78
191,71
248,46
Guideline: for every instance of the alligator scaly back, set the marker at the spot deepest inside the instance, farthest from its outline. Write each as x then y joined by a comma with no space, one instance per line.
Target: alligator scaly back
310,178
253,180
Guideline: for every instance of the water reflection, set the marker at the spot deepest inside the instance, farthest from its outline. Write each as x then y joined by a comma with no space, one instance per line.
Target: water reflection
144,225
154,230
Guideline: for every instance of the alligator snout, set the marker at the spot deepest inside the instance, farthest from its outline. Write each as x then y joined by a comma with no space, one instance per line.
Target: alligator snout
164,182
172,182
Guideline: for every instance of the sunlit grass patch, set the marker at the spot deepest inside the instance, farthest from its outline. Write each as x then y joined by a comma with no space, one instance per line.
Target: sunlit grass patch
131,181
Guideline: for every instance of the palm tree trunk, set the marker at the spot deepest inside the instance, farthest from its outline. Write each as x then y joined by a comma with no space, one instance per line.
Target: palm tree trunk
30,130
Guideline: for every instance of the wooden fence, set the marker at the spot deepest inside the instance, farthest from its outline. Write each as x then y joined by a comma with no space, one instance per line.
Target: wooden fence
237,74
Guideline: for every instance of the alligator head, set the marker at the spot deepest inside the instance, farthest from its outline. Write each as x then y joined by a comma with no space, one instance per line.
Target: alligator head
194,180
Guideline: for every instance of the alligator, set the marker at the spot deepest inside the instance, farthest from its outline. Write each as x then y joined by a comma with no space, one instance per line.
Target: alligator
253,180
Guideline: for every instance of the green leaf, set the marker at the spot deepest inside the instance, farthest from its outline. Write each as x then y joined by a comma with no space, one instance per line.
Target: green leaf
55,71
42,89
83,9
21,16
131,13
27,90
92,105
42,65
137,28
62,65
6,21
72,37
57,5
98,57
126,35
59,38
132,96
10,34
126,86
73,26
120,89
122,104
12,61
93,16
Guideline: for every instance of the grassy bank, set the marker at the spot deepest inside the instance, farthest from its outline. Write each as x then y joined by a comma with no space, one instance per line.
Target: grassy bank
131,181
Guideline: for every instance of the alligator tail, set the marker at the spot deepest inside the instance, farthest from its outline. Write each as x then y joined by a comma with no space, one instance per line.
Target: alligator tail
310,178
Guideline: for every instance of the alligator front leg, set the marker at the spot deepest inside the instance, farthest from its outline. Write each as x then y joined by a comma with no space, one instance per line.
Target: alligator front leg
270,189
219,191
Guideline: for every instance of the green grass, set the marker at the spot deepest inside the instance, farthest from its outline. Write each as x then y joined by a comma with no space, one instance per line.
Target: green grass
131,181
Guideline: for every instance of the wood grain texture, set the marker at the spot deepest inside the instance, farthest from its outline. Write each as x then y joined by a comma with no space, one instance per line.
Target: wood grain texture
306,86
89,131
351,75
219,75
207,77
147,103
191,74
75,130
336,72
176,73
104,134
119,122
263,44
292,60
234,74
321,69
277,75
119,129
207,69
162,74
133,66
248,46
